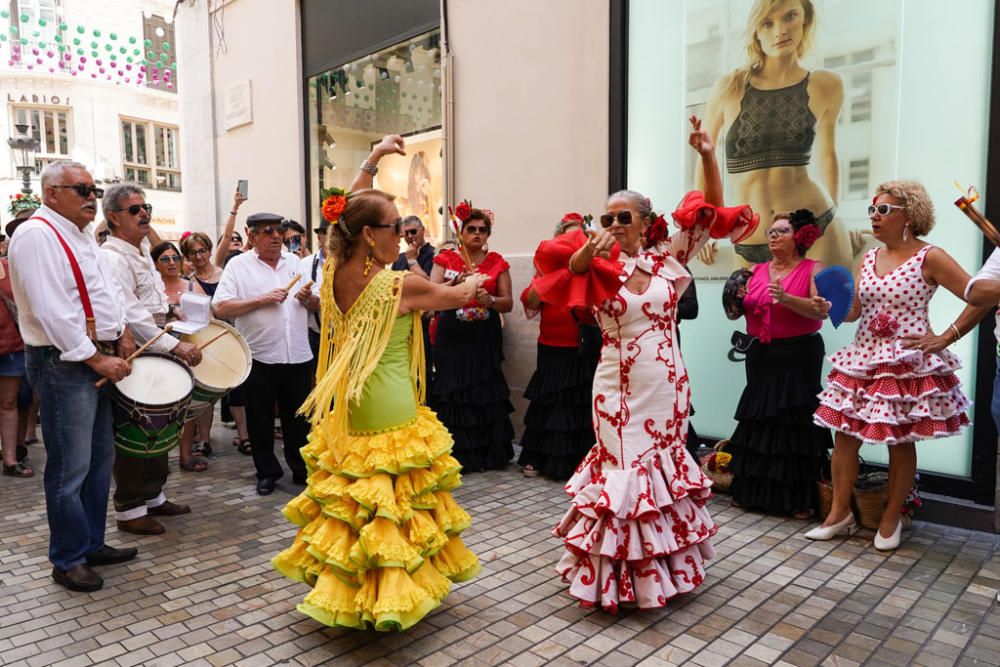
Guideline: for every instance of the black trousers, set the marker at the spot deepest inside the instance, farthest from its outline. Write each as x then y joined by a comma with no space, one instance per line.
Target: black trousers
289,385
138,479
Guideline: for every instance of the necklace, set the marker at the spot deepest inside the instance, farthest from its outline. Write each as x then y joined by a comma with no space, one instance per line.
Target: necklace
779,273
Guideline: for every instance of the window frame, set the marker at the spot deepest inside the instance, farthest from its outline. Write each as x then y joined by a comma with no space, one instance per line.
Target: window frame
42,155
151,129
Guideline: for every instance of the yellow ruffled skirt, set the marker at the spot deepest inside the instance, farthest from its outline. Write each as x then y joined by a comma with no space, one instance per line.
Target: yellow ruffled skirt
379,532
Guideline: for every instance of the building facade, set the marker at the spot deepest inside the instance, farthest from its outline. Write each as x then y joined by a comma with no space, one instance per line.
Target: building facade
95,81
536,109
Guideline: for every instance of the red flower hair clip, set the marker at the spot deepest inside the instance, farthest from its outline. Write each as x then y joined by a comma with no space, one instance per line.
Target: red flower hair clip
806,235
334,203
657,230
463,210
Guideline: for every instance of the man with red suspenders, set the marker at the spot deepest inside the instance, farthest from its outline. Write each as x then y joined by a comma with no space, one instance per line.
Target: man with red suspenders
75,333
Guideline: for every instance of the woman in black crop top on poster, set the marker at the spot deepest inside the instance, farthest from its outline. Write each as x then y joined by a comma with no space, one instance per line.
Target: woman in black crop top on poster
778,118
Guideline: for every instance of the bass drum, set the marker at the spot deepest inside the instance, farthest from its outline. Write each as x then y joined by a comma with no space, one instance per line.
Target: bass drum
150,404
225,365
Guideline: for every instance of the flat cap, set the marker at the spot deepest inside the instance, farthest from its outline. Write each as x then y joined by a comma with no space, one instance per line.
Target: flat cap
263,219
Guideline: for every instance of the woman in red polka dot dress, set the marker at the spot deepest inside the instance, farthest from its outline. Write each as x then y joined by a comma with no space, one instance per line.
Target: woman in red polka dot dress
895,384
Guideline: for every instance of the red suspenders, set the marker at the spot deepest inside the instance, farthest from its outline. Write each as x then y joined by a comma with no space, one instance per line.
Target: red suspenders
81,286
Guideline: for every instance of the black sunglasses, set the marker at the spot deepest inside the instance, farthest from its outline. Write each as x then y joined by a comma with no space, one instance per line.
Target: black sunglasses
623,218
135,208
395,226
267,230
410,232
83,190
236,239
477,230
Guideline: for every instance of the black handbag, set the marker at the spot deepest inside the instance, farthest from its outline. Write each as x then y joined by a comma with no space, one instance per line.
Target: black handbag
741,344
590,340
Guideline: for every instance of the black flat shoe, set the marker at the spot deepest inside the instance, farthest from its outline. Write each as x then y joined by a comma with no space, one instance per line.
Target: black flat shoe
109,555
265,486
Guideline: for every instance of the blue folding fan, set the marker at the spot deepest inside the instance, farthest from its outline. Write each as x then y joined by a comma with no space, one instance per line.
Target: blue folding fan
836,285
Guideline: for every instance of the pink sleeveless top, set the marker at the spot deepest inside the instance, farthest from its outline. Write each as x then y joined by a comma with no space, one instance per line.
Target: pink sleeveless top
771,321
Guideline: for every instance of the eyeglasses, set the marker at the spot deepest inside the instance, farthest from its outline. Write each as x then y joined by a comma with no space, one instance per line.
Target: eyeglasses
199,252
169,259
395,226
775,232
477,230
410,232
624,218
83,189
268,230
882,209
135,208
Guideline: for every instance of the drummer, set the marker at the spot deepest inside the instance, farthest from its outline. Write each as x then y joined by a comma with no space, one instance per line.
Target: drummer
254,292
73,325
139,481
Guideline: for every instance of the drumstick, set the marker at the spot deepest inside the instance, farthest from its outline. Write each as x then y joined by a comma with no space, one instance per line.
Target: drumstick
204,345
292,284
458,238
103,381
966,206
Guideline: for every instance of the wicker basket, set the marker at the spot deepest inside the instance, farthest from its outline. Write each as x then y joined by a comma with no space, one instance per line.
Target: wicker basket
825,488
721,481
871,493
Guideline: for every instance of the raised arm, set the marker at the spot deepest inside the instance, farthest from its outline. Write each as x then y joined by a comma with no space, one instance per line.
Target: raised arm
222,251
391,143
701,140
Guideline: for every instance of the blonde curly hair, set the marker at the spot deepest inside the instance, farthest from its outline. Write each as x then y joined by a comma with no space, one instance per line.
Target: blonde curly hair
917,205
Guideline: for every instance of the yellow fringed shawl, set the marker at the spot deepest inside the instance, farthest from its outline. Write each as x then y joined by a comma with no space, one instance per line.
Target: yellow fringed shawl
351,345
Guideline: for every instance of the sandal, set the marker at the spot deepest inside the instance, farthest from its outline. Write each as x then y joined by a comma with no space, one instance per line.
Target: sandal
245,448
203,447
803,514
194,464
18,470
529,471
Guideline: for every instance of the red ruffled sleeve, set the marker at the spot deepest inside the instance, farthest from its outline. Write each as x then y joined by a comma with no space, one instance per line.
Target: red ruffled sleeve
558,285
450,259
736,222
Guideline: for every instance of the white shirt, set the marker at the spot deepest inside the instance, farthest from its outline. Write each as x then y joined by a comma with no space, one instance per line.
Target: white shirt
143,289
48,301
317,281
990,271
275,333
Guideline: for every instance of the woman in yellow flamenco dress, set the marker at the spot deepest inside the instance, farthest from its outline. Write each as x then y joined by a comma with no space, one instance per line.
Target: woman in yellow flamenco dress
379,532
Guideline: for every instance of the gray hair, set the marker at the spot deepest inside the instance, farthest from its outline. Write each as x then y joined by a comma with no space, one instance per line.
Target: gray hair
412,220
114,196
639,202
55,169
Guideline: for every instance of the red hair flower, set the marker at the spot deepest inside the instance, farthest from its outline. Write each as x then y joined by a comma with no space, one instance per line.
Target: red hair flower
334,203
573,217
806,235
883,325
657,230
463,210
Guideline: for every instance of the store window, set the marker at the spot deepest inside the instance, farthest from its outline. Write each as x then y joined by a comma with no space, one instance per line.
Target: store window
52,128
352,106
150,154
904,113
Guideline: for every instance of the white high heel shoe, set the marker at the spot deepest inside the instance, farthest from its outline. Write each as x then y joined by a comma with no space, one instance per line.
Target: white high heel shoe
829,532
891,542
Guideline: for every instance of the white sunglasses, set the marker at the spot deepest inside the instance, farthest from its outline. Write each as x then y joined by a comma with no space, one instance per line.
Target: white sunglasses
882,209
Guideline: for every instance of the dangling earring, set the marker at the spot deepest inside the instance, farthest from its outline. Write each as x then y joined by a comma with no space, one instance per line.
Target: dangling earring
486,247
906,228
368,258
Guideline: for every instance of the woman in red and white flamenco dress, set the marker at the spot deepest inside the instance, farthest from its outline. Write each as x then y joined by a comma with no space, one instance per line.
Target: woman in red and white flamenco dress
637,531
895,384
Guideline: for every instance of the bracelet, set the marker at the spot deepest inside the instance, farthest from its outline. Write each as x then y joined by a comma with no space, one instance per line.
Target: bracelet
958,334
232,213
369,168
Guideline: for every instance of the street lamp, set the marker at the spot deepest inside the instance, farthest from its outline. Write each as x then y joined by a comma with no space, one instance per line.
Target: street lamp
24,145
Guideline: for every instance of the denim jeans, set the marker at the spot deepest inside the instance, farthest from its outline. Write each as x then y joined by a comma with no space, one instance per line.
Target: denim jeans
79,444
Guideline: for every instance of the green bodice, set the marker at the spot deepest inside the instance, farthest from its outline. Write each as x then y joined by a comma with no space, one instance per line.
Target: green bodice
387,400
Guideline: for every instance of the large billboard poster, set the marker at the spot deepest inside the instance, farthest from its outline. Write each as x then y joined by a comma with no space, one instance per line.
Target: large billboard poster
812,104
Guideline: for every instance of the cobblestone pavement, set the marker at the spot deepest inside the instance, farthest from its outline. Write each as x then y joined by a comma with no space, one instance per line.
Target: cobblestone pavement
204,593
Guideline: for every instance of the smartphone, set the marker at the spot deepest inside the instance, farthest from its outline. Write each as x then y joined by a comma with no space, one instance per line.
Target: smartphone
241,185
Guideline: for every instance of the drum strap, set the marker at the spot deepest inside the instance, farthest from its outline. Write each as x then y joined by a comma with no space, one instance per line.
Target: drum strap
81,286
